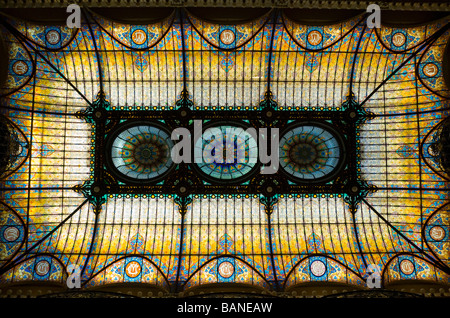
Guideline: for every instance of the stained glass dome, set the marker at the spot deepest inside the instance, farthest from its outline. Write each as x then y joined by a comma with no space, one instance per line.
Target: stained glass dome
141,152
90,188
226,152
310,152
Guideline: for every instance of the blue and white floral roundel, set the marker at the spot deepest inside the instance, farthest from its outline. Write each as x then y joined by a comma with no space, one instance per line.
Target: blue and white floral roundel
226,152
142,152
309,152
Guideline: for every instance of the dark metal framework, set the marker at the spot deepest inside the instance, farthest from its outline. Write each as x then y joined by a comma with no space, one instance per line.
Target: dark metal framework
182,182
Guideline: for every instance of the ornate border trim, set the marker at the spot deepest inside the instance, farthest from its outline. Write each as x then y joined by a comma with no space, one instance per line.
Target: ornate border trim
309,4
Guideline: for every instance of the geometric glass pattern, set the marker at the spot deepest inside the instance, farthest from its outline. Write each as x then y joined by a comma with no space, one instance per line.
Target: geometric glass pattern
141,151
309,152
238,152
92,182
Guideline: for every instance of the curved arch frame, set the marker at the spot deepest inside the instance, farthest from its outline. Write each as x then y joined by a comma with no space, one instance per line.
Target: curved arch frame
421,151
234,49
292,270
33,63
230,256
325,47
52,256
25,234
105,267
3,177
394,257
422,231
163,35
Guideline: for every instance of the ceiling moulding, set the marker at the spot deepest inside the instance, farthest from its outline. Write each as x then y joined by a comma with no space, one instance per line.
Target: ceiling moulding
330,4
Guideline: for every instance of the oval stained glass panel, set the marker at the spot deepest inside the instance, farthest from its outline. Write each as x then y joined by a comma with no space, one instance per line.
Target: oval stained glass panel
226,152
309,152
142,152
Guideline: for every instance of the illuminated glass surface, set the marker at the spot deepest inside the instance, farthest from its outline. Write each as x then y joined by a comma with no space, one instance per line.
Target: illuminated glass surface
226,152
309,152
142,152
48,223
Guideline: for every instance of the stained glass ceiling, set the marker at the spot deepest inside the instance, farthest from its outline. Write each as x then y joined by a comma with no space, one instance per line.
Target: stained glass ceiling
88,180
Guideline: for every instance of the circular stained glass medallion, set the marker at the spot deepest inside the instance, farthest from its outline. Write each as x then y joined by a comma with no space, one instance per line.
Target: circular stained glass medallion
437,233
53,37
140,152
133,269
139,36
398,39
430,70
227,37
20,68
226,153
11,234
311,152
42,268
318,268
407,267
226,269
314,37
